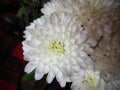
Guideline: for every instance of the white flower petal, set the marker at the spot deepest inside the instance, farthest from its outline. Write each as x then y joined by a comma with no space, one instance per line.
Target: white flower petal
50,77
63,83
38,75
29,67
91,42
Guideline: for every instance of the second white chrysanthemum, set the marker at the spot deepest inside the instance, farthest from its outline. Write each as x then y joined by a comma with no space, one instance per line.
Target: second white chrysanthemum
87,80
57,45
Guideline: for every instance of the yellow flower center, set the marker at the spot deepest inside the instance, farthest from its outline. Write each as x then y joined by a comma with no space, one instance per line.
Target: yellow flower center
89,79
57,47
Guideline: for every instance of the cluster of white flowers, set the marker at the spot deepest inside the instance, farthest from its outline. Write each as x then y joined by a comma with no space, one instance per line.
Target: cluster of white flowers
76,41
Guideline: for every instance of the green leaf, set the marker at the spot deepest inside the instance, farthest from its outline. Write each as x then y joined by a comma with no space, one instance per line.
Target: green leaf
7,19
28,76
21,12
27,2
34,15
35,2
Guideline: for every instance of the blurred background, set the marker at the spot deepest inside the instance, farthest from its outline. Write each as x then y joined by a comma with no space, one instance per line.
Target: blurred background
14,16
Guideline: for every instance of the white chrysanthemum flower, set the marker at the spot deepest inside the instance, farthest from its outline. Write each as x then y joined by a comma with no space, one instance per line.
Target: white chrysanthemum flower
76,6
59,6
95,14
57,45
87,80
106,57
91,9
113,84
